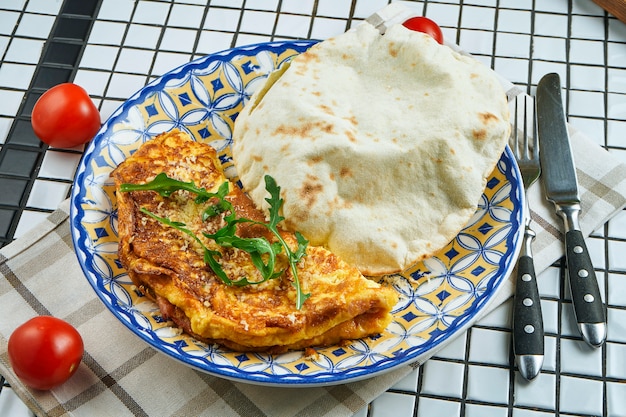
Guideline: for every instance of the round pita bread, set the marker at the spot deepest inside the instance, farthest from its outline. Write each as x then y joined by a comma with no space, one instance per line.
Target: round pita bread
381,144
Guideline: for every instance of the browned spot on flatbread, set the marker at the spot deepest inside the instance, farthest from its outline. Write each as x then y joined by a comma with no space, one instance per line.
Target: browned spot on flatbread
393,51
353,120
325,127
479,134
487,117
309,56
327,109
304,130
310,189
345,172
351,136
257,158
315,160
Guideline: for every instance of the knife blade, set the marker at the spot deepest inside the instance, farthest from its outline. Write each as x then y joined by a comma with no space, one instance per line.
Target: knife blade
561,187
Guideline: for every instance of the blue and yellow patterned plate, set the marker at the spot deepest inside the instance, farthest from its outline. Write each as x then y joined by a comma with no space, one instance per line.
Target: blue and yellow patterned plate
439,298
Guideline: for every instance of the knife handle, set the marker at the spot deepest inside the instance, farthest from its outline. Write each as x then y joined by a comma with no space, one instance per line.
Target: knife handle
584,287
527,319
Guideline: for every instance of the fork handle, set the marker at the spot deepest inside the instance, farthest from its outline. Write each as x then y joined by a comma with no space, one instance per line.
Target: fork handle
527,319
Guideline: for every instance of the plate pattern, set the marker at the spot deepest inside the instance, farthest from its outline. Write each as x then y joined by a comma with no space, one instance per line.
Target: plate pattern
439,297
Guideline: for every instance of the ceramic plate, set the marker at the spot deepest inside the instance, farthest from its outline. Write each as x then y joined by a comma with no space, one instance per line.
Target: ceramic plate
439,298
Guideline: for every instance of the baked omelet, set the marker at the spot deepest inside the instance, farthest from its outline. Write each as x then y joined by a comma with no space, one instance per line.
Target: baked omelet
168,265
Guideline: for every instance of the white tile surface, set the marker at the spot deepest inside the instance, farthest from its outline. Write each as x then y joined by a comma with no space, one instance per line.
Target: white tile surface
513,45
10,102
586,52
5,125
443,378
8,21
24,50
29,219
580,396
293,26
549,48
489,346
59,165
514,21
577,357
151,12
478,18
135,61
124,85
616,393
99,57
408,383
391,405
44,6
186,15
488,384
333,8
48,194
178,40
120,10
304,7
429,407
476,410
107,33
142,36
540,392
16,75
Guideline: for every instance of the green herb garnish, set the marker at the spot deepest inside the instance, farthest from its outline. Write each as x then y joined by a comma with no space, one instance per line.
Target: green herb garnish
256,247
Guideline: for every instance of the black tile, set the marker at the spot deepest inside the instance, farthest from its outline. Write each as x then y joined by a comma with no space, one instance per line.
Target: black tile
6,217
18,162
47,77
29,103
62,53
72,28
80,7
23,134
11,191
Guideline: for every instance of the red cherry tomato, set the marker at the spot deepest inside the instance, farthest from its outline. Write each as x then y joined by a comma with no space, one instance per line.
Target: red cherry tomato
64,116
45,351
425,25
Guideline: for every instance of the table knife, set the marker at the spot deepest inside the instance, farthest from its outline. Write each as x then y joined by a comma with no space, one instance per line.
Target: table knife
561,187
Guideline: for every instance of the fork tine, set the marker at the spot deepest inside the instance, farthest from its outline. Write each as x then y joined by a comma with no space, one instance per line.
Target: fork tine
516,131
525,153
535,135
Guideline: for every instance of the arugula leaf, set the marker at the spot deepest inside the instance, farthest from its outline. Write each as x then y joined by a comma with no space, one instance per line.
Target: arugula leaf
262,253
276,202
165,186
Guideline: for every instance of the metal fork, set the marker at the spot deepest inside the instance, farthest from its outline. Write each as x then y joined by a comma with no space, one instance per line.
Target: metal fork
528,343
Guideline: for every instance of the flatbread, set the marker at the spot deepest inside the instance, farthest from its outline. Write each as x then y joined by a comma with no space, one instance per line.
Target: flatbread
382,144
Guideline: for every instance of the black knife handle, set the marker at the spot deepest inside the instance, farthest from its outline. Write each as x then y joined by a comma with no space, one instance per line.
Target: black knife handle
582,279
527,319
